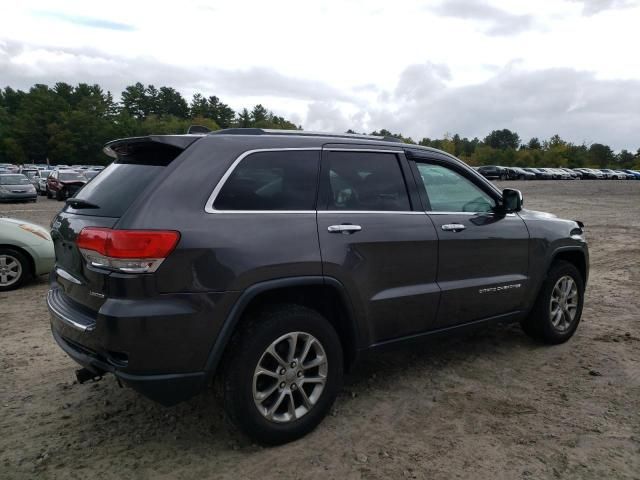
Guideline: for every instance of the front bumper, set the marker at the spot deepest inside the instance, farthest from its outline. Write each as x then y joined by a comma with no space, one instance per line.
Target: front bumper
17,197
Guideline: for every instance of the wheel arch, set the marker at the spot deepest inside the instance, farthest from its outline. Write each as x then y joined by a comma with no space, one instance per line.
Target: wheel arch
324,294
575,256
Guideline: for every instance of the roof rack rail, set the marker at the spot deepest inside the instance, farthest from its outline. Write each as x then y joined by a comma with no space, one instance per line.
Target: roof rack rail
302,133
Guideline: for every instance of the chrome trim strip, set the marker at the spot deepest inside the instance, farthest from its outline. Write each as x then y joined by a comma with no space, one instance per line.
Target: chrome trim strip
65,319
374,150
67,276
470,214
208,207
354,212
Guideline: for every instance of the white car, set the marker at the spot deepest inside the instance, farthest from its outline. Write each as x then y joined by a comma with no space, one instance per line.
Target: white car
26,251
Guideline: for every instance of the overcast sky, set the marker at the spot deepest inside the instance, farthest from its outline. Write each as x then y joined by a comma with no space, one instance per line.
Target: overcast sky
422,68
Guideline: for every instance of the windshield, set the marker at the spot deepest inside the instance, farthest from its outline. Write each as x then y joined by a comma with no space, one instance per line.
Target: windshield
13,180
72,177
30,173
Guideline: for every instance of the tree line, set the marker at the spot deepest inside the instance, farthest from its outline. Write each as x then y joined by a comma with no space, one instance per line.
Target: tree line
70,124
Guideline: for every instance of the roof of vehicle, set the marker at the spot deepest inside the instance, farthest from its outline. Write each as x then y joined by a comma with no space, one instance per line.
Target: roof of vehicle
114,147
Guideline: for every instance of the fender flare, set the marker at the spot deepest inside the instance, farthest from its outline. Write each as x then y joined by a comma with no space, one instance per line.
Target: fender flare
236,312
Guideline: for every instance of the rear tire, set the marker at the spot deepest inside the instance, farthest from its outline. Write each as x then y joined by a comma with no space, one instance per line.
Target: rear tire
15,269
263,396
558,308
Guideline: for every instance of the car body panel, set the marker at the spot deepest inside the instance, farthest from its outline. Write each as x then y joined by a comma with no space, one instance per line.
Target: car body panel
40,249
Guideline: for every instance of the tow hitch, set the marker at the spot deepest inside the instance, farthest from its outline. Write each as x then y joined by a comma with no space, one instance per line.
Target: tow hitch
84,375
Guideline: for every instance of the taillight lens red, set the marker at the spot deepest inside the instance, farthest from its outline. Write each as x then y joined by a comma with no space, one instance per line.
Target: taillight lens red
137,244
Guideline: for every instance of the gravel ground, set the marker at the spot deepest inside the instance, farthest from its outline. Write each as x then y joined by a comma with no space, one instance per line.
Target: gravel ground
488,405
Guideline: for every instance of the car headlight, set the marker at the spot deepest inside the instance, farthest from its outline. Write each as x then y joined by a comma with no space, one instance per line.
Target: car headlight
40,232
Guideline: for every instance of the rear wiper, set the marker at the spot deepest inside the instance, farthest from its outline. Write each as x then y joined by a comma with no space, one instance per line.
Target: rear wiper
79,203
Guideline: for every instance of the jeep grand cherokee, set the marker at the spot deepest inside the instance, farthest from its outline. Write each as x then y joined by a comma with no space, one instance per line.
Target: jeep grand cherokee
272,259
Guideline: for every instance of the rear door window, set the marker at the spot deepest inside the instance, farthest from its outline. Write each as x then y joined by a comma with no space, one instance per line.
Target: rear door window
278,180
366,181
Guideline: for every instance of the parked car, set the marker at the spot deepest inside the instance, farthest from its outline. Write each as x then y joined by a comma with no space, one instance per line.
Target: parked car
26,250
31,173
590,174
572,173
612,174
635,173
626,176
539,173
16,187
493,172
230,255
517,173
63,184
89,174
41,185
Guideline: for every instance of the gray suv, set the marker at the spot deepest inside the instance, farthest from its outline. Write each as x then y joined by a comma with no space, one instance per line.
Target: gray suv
270,260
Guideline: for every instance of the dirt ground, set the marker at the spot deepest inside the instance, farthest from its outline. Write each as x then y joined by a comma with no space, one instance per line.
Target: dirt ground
488,405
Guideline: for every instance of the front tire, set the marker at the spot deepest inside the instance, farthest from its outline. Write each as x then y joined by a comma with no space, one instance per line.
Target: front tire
14,269
282,374
558,308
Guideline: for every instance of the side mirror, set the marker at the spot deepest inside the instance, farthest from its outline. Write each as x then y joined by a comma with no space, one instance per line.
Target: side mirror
512,200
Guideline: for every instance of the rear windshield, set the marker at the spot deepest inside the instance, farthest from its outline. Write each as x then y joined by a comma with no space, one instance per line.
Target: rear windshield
72,177
120,184
13,180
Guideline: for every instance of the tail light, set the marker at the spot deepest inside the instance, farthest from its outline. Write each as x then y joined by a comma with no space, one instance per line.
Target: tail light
128,251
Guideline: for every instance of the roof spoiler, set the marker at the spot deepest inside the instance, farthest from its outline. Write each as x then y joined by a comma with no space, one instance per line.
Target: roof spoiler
125,145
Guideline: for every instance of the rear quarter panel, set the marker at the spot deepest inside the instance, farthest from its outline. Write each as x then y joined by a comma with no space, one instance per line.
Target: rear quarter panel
223,251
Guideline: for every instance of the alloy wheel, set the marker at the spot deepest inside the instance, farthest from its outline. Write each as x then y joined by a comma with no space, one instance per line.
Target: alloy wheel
10,270
563,305
290,377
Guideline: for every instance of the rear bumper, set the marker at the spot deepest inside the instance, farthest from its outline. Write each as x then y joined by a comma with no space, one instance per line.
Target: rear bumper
157,346
165,389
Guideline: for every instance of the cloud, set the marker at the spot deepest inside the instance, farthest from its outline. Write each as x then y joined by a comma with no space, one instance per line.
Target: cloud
23,65
572,103
91,22
593,7
423,102
497,21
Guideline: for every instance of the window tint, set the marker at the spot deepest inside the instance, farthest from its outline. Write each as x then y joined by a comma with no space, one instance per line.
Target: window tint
283,180
448,191
122,182
366,181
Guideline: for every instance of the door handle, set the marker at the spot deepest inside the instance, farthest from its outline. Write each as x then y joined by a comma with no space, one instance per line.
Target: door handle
344,229
452,227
